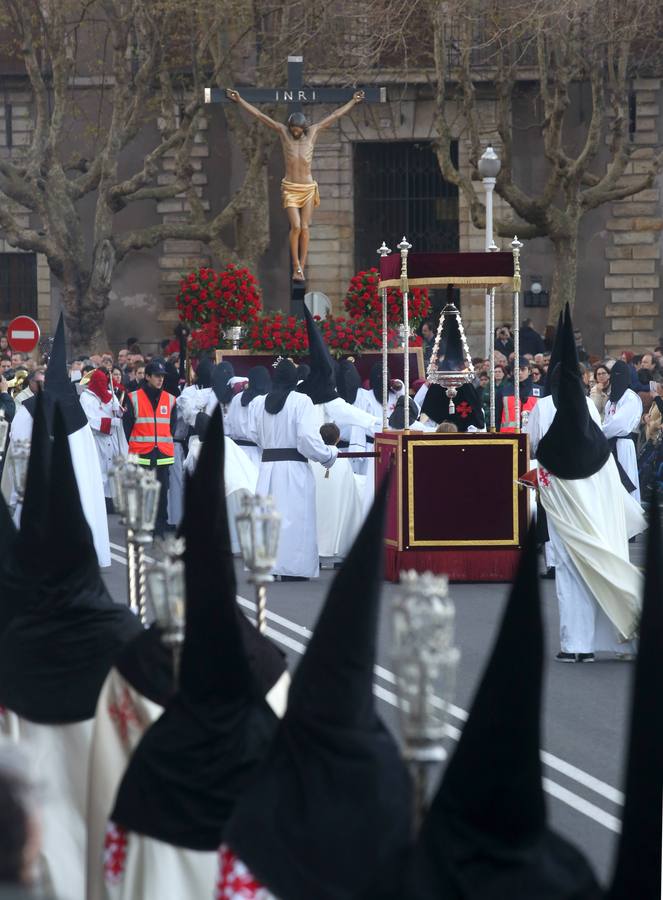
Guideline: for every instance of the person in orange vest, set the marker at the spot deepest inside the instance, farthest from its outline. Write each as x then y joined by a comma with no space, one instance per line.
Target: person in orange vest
506,400
149,422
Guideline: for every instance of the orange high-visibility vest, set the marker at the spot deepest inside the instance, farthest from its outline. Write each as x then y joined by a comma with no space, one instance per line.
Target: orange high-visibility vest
152,427
508,423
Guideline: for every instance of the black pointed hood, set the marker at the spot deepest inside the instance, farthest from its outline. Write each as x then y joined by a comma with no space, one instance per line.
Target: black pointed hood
555,353
638,866
11,589
574,445
58,387
197,758
204,372
33,533
348,380
283,383
147,665
260,384
58,649
468,409
320,384
397,418
328,815
221,376
375,381
620,380
485,835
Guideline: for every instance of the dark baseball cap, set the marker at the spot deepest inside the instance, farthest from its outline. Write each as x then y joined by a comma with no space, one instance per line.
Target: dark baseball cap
155,367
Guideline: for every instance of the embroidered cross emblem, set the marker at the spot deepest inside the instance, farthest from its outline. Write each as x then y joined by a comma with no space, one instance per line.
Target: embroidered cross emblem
544,477
123,714
235,880
115,852
463,409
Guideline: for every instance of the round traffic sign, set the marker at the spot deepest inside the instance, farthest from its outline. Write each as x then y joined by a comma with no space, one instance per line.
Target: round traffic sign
23,334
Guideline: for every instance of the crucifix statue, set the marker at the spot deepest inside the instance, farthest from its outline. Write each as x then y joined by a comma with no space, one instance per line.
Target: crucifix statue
299,191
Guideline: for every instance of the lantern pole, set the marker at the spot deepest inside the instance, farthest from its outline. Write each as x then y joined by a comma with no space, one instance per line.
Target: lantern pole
405,248
382,252
493,249
516,247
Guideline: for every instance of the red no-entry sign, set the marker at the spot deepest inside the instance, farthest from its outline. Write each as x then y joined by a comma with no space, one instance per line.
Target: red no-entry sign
23,334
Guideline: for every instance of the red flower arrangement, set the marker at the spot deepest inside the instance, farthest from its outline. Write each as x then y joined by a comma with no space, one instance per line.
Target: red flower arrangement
228,297
278,334
363,301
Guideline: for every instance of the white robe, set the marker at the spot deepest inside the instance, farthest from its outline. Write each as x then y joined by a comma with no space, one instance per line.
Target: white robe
109,444
238,426
292,483
367,401
598,589
60,755
620,420
88,477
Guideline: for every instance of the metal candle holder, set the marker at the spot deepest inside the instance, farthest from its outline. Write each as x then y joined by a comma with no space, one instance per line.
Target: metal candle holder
135,491
405,248
425,661
19,460
167,592
258,531
451,380
382,252
233,334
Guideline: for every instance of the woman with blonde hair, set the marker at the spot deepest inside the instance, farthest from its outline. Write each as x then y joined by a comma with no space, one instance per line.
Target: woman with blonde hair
650,458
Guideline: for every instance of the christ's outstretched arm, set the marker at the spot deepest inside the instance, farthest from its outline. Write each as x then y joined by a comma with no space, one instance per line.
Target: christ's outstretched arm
340,112
253,110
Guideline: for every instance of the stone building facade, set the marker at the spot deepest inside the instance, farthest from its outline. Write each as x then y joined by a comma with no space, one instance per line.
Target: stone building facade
619,292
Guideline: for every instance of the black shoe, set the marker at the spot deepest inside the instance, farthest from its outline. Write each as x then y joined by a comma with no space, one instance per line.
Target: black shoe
549,573
574,657
293,578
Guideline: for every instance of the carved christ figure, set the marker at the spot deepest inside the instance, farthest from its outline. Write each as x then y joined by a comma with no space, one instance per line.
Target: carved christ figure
298,189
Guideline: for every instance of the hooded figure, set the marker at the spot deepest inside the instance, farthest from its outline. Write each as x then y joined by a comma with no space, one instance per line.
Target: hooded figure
104,416
60,391
638,865
320,384
590,518
468,409
222,382
193,763
283,382
348,380
204,372
486,835
397,418
328,814
55,654
621,421
259,384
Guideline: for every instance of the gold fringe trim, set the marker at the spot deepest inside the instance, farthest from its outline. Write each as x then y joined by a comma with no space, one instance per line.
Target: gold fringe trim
474,280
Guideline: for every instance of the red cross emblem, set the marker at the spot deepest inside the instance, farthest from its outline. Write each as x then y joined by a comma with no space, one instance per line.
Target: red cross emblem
235,880
115,852
464,409
123,714
544,477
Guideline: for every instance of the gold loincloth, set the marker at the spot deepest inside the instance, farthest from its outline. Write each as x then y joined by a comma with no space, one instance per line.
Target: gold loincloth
299,195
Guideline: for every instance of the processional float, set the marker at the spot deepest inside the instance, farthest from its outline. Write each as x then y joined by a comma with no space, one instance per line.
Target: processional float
455,507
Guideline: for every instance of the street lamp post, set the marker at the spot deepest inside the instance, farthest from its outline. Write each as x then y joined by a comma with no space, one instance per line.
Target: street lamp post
489,166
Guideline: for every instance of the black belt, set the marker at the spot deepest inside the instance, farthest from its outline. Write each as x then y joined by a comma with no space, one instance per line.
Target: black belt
242,443
343,445
370,440
287,454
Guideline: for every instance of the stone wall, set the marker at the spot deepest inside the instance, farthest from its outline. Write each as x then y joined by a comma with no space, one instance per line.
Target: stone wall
633,248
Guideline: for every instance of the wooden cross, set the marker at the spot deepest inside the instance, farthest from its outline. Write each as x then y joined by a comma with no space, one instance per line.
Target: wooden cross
296,94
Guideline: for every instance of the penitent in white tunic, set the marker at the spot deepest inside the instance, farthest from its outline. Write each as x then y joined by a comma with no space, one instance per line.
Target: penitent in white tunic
110,444
238,427
620,420
291,483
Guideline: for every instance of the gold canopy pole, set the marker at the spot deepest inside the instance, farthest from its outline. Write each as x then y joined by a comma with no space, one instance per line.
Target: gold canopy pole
405,248
516,247
382,252
491,325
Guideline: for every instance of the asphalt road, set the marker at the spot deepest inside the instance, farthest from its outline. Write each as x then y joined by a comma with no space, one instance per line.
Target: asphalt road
585,710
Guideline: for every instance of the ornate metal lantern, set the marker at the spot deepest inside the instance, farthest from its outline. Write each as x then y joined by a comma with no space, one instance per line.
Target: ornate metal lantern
450,364
166,588
19,460
258,531
425,662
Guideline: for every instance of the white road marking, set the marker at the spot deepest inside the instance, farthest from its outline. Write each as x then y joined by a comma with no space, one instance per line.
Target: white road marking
554,762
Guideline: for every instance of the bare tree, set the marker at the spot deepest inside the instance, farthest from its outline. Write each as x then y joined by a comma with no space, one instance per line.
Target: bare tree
602,44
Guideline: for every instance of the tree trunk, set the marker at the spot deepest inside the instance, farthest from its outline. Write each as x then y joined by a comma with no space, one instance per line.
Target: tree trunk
84,319
565,272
